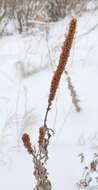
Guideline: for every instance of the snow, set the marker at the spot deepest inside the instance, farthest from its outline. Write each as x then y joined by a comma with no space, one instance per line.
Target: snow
25,75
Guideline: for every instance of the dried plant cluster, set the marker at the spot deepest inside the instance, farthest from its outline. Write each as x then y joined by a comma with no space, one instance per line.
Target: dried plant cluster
89,179
40,156
40,153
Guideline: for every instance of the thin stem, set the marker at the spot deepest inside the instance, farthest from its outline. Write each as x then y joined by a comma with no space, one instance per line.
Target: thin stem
46,115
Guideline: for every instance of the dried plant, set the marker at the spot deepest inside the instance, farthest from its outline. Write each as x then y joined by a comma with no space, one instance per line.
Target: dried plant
27,143
75,99
61,66
90,173
40,157
40,154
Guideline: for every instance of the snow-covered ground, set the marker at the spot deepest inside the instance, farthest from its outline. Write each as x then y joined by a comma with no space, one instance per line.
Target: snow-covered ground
27,64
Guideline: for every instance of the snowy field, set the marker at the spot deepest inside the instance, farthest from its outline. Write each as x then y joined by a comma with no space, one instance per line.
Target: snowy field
27,64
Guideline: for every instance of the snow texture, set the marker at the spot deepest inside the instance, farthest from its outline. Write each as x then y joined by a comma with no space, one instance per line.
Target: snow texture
27,64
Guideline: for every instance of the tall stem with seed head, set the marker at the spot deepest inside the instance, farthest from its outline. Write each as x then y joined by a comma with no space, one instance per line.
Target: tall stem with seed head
61,66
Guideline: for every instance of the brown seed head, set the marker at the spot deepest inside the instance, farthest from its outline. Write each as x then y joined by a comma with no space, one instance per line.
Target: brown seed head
63,60
27,143
93,166
42,132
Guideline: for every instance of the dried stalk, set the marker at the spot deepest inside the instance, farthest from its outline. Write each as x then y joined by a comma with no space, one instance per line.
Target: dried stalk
75,99
40,154
62,62
39,159
89,179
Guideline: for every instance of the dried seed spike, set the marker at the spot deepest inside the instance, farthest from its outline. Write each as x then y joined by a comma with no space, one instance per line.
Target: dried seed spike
27,143
62,62
93,165
75,99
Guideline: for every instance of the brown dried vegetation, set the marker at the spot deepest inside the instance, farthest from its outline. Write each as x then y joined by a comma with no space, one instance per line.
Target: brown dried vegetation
62,63
90,173
40,154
